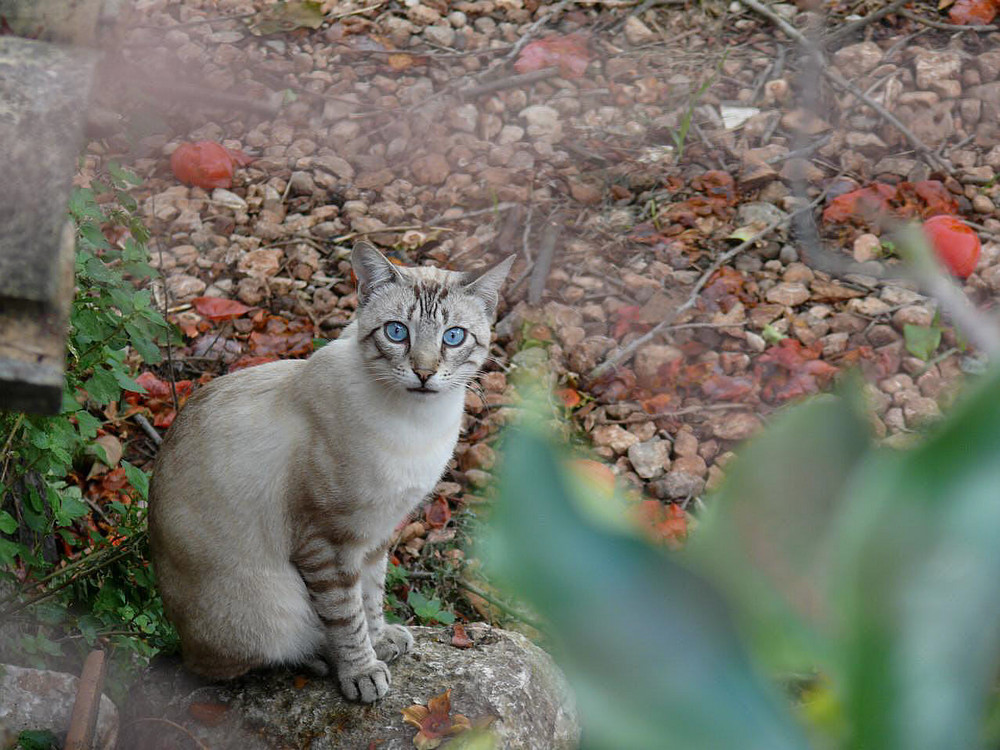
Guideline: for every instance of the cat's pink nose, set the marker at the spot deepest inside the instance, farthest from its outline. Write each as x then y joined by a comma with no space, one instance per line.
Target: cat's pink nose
424,375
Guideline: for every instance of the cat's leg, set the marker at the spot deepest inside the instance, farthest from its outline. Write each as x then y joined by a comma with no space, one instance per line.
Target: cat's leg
390,641
332,575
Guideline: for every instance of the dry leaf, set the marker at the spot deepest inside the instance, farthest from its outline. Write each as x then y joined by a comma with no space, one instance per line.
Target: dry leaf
434,721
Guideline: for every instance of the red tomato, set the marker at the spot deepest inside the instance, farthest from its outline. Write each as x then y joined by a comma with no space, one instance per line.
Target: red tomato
954,243
205,164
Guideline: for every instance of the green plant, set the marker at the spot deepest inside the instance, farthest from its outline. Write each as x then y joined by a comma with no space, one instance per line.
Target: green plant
107,588
863,577
679,135
429,609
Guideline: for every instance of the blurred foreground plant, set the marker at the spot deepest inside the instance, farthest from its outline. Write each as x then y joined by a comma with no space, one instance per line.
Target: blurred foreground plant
873,573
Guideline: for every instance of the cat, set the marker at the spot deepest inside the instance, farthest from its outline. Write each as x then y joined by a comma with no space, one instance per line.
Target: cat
277,489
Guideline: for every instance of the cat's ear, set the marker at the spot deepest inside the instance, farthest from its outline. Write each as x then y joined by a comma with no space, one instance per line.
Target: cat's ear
372,269
486,284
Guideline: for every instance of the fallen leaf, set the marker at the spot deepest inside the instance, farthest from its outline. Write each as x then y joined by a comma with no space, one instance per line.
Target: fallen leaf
569,53
459,638
791,370
434,721
437,513
206,164
570,397
922,341
664,523
973,12
299,681
288,16
218,308
861,206
112,448
726,388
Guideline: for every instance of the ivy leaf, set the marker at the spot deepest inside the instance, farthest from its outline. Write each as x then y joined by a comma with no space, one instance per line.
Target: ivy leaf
137,478
922,341
8,524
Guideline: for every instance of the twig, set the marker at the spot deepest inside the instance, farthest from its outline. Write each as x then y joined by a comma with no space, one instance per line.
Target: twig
198,22
170,347
83,720
838,80
850,28
345,14
148,428
404,228
173,724
6,446
505,608
522,79
644,417
946,26
540,272
622,353
477,212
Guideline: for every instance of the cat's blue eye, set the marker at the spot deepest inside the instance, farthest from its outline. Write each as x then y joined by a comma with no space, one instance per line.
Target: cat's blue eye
395,331
454,336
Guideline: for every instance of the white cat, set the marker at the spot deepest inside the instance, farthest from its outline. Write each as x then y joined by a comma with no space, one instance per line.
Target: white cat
276,491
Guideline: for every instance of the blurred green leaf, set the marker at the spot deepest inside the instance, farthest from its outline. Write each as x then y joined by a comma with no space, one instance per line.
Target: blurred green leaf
922,341
768,534
920,600
648,646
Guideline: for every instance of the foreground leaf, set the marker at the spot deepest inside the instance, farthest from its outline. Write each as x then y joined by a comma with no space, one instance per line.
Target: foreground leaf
434,721
648,645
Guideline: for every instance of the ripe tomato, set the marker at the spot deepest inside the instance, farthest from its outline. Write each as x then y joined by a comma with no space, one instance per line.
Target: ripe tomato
955,244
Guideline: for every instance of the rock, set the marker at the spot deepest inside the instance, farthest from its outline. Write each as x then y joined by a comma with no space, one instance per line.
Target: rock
440,35
229,199
543,121
336,166
251,291
789,293
934,66
510,134
685,443
920,411
183,287
982,204
431,169
857,59
614,437
651,458
638,33
36,699
479,456
736,425
650,358
262,262
677,485
502,675
913,315
867,247
464,117
759,212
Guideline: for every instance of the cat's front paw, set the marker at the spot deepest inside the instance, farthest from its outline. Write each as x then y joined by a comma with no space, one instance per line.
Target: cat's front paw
368,685
394,641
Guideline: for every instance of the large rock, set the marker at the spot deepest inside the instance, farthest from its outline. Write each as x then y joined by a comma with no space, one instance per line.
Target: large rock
38,699
503,675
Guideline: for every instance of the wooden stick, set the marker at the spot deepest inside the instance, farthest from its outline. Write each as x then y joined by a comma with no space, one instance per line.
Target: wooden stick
547,250
83,721
523,79
850,28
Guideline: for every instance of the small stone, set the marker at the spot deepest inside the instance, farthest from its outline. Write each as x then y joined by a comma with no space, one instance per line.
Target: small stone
584,192
637,33
857,59
651,458
613,436
478,478
867,247
432,169
788,293
464,117
262,262
229,199
920,411
694,465
422,15
443,36
788,254
933,66
881,335
913,315
650,358
685,444
542,120
677,485
510,134
251,291
992,277
479,456
982,204
737,425
868,306
183,287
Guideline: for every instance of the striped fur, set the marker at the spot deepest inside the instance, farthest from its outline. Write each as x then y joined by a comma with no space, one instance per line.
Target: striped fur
278,487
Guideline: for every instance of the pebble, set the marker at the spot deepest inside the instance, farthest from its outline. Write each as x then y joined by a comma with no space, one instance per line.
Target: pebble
736,425
677,485
229,199
432,169
637,33
788,293
650,358
183,287
685,443
920,411
867,247
650,458
479,456
614,437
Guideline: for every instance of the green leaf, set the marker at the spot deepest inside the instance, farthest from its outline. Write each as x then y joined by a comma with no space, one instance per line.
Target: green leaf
143,342
8,524
37,739
9,551
102,386
919,597
922,341
648,645
288,16
87,424
767,538
429,609
126,382
137,478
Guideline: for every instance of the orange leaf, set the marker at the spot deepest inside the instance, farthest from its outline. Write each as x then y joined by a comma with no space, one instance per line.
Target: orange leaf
205,164
862,205
664,523
437,513
570,397
973,12
459,638
218,308
569,53
299,681
434,721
